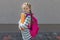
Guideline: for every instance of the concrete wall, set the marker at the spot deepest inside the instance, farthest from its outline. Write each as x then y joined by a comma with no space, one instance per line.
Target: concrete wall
46,11
42,28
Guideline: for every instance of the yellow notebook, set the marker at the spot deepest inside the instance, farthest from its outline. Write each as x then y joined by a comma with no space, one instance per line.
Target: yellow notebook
23,16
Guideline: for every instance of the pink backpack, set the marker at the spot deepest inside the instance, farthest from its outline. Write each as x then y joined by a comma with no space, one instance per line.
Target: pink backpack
34,27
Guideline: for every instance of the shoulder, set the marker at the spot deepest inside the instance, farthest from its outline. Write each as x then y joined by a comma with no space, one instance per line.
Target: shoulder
28,17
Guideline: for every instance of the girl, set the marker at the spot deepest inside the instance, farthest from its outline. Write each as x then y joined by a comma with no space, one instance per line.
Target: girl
26,23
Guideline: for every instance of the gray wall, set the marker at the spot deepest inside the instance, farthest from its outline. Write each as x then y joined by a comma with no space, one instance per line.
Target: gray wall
42,28
46,11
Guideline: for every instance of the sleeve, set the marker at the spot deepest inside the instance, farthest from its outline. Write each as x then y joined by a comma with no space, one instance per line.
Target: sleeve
27,21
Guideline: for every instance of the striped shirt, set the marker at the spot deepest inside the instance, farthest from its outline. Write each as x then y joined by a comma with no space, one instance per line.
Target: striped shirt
26,33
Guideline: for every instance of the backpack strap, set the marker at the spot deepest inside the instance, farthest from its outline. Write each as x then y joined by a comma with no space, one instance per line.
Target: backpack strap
30,26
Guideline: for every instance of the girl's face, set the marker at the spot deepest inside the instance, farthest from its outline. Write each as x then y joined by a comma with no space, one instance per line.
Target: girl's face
26,9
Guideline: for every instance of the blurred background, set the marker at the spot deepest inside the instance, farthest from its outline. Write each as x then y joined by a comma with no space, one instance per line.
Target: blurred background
46,11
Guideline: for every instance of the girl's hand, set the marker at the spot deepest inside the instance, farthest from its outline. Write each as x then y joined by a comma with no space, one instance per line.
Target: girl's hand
22,29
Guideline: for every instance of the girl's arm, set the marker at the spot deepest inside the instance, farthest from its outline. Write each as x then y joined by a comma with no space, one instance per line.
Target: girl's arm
20,25
22,19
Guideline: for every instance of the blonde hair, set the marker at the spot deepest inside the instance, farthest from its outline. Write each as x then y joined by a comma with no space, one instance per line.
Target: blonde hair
26,4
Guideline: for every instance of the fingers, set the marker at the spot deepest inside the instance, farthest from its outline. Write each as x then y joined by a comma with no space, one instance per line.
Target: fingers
22,29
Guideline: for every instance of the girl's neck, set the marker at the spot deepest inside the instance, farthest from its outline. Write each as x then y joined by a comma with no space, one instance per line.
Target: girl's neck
28,12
